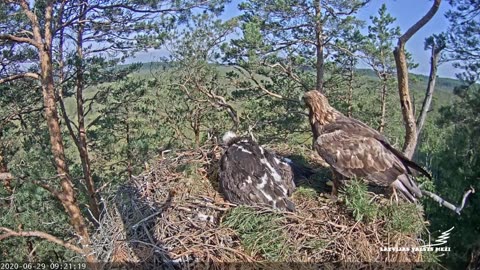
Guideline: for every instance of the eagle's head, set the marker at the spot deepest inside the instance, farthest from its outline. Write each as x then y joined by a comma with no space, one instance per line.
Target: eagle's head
320,109
229,137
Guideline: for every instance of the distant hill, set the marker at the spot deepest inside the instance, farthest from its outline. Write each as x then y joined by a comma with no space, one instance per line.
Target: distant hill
418,81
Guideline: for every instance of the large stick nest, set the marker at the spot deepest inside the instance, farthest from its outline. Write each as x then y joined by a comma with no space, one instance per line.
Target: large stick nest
172,216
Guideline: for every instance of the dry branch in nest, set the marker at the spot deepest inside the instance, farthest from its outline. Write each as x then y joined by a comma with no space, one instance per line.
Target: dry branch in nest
172,216
443,202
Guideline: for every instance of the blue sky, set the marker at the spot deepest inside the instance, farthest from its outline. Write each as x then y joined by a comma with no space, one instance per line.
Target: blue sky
407,13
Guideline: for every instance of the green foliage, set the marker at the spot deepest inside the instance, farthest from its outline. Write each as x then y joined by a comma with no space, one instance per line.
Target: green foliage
305,192
359,202
33,209
260,233
401,217
24,146
123,124
133,113
125,131
380,42
431,257
279,54
455,166
463,41
404,218
202,106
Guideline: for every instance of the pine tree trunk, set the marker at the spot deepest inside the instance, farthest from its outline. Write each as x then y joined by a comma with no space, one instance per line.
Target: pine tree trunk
196,126
319,47
51,115
67,196
405,102
383,99
350,91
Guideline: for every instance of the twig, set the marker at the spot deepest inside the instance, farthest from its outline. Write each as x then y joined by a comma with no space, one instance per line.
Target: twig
448,205
147,218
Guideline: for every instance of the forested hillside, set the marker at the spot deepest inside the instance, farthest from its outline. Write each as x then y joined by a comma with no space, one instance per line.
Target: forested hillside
107,162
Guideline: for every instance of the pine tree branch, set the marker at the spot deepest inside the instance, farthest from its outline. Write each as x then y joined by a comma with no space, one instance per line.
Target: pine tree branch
30,75
57,194
18,39
10,233
151,10
260,85
16,114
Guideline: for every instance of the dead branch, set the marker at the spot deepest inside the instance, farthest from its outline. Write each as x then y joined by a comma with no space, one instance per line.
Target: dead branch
424,20
10,233
442,202
436,49
150,10
402,76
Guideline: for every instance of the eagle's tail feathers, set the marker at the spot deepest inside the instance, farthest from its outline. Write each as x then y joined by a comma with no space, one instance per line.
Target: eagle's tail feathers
406,160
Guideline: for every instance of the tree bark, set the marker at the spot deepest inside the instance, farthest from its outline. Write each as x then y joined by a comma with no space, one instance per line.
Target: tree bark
430,88
350,89
51,115
319,46
67,195
195,124
402,75
383,99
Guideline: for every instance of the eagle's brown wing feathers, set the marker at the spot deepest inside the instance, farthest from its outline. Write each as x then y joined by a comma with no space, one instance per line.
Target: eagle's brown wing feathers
356,150
357,156
361,129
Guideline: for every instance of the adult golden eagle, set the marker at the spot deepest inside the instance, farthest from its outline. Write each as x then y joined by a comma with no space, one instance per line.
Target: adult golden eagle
252,175
354,149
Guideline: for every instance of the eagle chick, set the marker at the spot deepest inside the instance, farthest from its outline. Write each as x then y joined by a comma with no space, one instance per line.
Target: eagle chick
252,175
354,149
